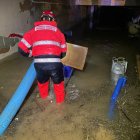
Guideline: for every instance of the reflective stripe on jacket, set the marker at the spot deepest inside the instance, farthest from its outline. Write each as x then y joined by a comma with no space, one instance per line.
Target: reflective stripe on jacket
48,60
44,39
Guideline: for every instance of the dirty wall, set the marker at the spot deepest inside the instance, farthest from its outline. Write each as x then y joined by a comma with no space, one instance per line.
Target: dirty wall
18,16
15,16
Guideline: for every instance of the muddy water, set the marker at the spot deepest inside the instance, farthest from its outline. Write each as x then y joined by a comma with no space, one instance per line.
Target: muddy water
86,113
12,70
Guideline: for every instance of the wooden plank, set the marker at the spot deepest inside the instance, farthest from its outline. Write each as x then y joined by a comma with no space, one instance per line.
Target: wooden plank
111,2
117,2
83,2
76,56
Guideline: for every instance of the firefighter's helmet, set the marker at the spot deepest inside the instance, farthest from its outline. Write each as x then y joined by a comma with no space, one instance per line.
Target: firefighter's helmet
48,15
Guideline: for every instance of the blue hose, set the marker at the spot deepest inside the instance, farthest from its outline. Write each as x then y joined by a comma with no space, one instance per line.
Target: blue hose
17,99
120,84
112,107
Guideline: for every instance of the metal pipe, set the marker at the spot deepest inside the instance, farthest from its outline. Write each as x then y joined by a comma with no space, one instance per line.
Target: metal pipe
17,99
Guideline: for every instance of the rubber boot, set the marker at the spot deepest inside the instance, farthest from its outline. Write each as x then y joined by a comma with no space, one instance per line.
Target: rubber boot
43,89
59,92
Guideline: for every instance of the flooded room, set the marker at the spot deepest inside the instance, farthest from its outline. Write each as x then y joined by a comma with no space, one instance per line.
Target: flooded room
70,70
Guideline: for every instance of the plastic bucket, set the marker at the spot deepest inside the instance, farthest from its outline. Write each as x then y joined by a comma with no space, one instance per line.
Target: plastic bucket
67,71
119,66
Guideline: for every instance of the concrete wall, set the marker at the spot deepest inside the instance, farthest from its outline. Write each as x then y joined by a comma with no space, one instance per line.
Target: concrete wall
18,16
69,15
15,16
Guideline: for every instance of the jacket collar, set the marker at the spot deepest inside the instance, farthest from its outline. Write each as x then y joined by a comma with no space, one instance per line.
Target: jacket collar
53,23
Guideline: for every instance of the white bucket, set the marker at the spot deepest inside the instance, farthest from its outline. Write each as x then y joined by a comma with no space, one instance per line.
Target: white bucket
119,67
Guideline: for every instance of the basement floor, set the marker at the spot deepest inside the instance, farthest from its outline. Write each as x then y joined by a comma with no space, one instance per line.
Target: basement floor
86,113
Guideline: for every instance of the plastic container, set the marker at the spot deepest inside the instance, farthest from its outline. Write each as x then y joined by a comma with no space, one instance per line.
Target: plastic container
67,71
119,67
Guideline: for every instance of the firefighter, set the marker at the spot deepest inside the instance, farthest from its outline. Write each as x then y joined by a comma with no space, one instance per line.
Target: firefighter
47,45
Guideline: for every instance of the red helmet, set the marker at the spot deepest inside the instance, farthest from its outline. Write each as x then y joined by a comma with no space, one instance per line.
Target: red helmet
48,13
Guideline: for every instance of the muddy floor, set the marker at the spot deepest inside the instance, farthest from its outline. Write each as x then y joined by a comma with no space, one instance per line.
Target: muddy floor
87,113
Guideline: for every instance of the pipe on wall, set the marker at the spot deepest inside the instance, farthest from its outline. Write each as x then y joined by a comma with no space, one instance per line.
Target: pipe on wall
17,99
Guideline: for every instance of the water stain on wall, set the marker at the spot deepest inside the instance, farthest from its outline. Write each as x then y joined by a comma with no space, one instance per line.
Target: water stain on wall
25,5
33,8
4,50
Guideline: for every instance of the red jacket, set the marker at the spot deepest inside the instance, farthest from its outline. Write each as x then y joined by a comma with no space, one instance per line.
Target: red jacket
44,39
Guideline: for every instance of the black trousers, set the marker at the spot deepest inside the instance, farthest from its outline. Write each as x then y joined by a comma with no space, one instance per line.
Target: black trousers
45,71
